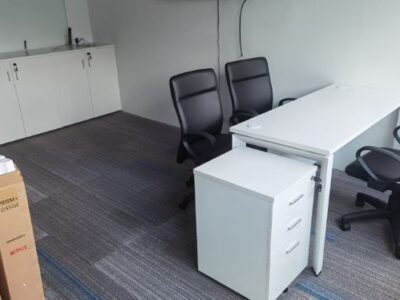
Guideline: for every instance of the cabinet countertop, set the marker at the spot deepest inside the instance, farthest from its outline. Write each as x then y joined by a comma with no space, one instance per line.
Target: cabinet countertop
48,50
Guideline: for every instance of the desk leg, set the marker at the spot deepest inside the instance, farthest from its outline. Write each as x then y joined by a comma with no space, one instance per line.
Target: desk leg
322,213
236,142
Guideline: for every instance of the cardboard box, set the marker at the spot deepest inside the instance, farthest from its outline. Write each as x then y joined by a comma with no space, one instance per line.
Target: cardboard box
19,267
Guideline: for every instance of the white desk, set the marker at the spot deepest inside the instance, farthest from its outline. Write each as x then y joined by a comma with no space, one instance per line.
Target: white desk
315,127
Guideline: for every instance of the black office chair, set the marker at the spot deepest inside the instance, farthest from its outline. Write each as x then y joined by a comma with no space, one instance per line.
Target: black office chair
250,87
197,104
380,168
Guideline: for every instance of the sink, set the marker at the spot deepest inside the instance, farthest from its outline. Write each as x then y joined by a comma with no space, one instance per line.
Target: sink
73,47
84,46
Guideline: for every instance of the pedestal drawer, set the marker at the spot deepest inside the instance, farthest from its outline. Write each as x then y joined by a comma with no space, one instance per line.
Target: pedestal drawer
287,262
296,223
253,217
296,199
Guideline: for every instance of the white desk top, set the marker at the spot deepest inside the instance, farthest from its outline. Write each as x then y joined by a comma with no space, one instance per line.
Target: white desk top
324,121
264,174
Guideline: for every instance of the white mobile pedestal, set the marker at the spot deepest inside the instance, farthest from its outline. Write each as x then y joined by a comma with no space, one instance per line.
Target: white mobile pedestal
253,215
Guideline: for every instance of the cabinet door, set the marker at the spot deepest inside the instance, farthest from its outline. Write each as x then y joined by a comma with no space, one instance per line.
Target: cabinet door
37,93
73,88
11,126
103,80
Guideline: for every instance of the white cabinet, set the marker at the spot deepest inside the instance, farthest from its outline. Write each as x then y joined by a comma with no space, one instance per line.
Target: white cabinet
103,80
11,126
253,218
73,88
51,90
35,82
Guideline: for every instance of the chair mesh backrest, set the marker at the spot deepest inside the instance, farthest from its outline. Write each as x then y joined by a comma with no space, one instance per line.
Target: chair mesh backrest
250,85
196,100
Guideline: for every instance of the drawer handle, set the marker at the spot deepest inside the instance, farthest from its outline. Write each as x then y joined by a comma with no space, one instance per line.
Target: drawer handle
16,70
291,249
296,200
291,227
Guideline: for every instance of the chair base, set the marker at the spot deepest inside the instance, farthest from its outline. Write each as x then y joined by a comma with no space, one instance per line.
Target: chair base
390,211
185,201
190,181
189,198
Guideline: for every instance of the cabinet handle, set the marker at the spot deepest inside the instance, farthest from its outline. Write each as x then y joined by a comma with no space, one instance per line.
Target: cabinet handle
9,77
89,56
16,70
291,249
296,200
293,226
83,64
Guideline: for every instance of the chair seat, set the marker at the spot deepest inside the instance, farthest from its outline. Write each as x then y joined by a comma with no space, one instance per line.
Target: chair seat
382,165
224,144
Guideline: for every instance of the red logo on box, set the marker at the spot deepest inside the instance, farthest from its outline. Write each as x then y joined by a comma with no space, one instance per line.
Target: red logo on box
18,250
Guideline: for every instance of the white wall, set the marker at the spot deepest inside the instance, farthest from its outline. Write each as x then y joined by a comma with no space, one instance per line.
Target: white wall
312,43
309,44
78,19
156,39
42,23
102,19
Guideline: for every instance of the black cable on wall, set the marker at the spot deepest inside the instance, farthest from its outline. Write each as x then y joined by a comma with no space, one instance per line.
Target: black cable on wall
218,38
219,31
240,27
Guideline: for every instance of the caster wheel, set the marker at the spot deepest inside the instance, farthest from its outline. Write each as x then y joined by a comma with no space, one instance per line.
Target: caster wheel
359,201
344,226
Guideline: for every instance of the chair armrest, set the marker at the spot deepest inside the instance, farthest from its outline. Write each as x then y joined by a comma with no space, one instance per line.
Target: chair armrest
396,134
205,136
242,114
369,171
283,101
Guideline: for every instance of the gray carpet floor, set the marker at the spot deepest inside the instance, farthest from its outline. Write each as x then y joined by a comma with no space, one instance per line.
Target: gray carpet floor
103,196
